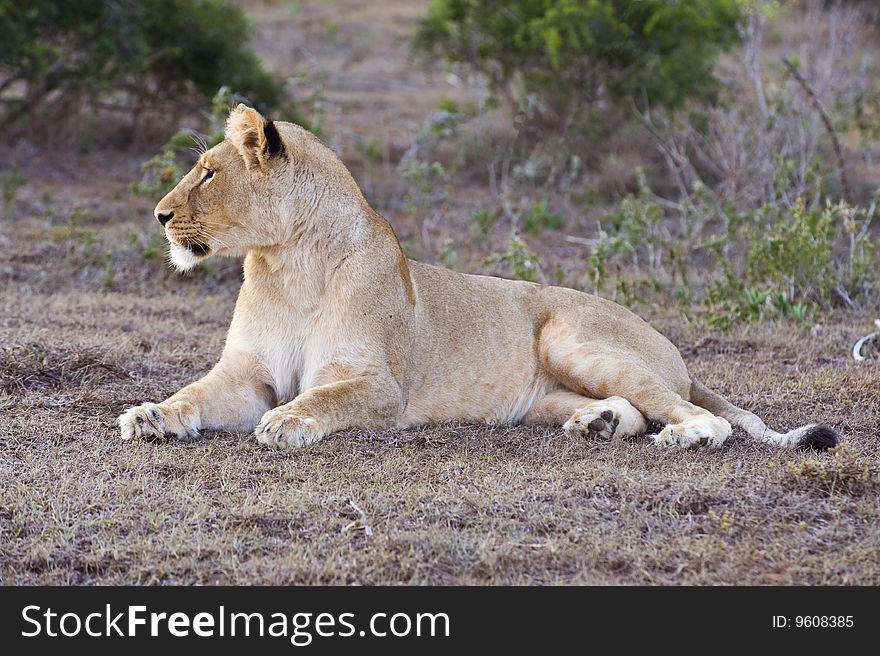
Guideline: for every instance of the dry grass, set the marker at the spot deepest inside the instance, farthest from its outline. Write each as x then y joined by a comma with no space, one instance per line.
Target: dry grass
451,504
82,336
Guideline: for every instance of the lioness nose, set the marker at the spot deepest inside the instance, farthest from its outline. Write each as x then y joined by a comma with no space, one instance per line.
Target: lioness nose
164,217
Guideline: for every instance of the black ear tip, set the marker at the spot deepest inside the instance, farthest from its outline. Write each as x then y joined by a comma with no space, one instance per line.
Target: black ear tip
274,145
819,438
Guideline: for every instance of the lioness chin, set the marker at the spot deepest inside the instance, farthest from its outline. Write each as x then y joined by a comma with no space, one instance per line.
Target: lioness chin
334,328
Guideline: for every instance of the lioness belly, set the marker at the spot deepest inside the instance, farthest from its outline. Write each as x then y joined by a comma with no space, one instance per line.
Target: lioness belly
488,400
474,357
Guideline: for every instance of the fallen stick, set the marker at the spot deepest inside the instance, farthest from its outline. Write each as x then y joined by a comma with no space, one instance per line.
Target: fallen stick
359,524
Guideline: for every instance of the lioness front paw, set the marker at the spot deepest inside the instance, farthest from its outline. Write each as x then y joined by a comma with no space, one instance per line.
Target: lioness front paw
283,429
710,432
150,422
592,423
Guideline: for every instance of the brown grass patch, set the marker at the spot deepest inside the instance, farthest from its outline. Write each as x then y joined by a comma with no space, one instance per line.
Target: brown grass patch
845,470
34,367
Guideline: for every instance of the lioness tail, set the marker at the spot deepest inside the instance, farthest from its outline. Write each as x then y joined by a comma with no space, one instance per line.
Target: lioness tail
812,436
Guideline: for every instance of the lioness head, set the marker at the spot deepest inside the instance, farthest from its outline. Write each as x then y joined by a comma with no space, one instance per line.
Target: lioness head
227,203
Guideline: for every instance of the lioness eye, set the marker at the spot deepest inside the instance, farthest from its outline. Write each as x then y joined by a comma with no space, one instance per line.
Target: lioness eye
209,173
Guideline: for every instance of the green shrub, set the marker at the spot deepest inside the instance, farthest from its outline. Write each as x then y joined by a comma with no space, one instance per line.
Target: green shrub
568,53
538,217
519,260
795,264
11,180
428,184
771,262
796,255
484,220
164,169
635,234
160,174
160,53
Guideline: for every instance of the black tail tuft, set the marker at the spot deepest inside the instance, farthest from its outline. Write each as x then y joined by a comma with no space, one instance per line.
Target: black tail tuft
819,438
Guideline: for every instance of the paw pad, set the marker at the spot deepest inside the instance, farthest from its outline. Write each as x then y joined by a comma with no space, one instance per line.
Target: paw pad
592,424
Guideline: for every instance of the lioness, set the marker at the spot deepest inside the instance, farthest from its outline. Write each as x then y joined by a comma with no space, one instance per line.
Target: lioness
334,328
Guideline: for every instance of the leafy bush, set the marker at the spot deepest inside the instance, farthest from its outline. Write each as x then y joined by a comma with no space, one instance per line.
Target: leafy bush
428,184
635,234
164,53
11,181
796,263
538,216
771,262
160,174
796,255
519,260
484,220
567,53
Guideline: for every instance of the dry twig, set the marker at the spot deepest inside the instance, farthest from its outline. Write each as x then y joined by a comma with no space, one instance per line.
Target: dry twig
835,140
359,524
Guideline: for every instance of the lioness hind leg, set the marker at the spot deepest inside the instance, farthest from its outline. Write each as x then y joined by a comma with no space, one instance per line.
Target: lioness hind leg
583,416
687,425
604,373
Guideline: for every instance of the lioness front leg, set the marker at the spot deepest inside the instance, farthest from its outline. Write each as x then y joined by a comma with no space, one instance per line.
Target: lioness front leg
231,396
365,401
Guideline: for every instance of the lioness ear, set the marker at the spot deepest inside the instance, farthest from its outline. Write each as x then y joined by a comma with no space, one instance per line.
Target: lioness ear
255,137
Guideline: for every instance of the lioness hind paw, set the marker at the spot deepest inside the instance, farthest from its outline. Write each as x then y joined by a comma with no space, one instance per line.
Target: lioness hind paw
709,432
592,424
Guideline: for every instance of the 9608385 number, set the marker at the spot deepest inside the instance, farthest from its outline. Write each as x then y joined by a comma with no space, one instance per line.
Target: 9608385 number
823,621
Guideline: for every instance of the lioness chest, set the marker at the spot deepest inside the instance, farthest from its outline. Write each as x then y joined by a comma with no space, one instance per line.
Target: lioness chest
291,341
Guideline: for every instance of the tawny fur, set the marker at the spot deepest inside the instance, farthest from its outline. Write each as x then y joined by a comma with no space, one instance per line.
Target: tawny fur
334,328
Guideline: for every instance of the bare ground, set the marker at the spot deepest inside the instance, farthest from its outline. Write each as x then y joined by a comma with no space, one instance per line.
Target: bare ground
84,334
